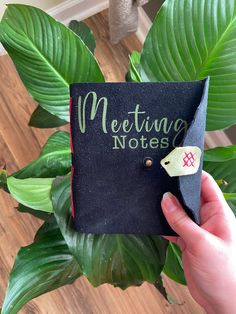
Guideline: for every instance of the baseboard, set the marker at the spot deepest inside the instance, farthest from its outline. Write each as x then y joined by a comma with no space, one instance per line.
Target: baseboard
82,9
65,5
77,10
2,50
74,10
144,25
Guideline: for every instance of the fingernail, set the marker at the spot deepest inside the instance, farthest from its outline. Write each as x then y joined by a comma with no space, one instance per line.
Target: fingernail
166,195
170,204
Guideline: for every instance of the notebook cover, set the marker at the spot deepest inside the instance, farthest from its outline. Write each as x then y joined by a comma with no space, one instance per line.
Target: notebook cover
114,127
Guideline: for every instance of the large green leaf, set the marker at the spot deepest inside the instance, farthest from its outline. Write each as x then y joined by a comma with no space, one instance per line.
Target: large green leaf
133,73
189,40
54,159
32,192
173,265
220,154
160,286
36,213
221,164
47,55
84,32
40,267
230,196
42,119
231,199
121,260
3,180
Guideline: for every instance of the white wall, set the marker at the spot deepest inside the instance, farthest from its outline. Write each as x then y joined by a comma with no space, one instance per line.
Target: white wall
43,4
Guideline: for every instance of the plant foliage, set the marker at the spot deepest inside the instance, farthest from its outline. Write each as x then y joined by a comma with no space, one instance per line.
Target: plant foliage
43,266
220,162
85,33
188,40
47,61
122,260
54,159
32,192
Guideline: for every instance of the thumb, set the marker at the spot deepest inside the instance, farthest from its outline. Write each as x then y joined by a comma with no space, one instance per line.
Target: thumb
177,218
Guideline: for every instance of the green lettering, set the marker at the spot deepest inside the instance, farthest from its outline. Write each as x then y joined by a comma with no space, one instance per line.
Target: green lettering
118,142
136,114
154,142
93,112
165,142
180,127
135,143
143,141
114,124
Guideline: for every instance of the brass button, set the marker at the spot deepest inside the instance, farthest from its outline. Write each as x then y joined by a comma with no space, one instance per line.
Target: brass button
148,162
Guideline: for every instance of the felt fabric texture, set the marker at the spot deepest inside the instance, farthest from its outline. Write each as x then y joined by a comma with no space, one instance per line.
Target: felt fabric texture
114,127
123,18
194,135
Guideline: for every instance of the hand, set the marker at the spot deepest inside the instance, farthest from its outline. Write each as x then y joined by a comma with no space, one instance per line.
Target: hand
209,250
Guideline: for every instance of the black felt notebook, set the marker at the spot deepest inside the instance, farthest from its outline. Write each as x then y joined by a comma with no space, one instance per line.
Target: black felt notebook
124,156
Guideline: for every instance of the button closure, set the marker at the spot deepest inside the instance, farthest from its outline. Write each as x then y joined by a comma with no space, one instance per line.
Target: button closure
148,162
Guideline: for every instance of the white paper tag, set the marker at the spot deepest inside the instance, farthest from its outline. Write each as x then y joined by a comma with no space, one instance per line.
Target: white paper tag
182,161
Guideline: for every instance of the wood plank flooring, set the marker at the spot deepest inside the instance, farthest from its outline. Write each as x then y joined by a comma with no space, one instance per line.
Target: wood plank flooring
19,145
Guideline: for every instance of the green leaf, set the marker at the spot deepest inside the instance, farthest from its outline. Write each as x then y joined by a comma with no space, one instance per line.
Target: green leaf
40,267
223,168
121,260
133,74
230,196
231,199
190,40
54,159
36,213
42,119
173,265
3,180
160,286
47,55
32,192
220,154
84,32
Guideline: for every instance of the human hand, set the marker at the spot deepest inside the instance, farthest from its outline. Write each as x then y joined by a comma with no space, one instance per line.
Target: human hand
209,250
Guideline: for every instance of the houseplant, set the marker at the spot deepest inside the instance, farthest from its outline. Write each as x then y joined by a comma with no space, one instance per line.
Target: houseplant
188,40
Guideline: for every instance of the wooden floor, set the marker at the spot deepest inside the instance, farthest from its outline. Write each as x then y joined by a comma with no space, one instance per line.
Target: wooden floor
20,144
